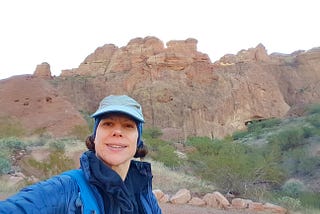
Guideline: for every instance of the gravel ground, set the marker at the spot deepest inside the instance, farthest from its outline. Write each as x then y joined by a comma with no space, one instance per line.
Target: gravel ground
168,208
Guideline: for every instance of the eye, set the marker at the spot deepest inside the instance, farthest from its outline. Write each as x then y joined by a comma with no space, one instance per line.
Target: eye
130,125
107,123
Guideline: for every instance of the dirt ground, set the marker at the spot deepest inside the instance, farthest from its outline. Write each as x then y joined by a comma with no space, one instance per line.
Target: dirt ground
168,208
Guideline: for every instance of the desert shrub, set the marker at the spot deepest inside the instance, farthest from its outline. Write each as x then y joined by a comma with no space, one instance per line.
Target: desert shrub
288,139
12,144
314,120
310,200
166,154
57,145
152,133
170,181
307,166
204,145
56,163
239,134
289,203
293,188
88,118
298,162
294,195
10,128
80,132
314,109
308,131
313,117
40,140
153,144
234,166
160,150
8,147
258,126
5,165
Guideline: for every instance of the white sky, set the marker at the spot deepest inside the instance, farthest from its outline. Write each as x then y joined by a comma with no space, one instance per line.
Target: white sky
64,32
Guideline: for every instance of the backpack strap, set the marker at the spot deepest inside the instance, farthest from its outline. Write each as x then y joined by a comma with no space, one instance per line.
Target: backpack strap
89,202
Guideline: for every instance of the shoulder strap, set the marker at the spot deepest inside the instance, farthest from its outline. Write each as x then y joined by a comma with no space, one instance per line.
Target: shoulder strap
88,199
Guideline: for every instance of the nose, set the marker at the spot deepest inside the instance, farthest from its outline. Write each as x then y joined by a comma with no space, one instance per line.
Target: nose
117,132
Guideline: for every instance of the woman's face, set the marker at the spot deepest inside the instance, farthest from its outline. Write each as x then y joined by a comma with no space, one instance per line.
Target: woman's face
116,140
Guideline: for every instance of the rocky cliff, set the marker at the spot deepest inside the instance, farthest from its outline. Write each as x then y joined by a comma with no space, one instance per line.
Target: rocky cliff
181,90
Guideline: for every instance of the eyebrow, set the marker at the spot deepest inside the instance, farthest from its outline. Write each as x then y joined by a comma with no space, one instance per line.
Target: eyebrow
112,117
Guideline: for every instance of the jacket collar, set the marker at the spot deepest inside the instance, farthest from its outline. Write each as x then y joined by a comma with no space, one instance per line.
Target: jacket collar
106,179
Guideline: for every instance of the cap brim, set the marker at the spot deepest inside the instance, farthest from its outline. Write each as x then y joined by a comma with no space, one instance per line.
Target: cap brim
122,109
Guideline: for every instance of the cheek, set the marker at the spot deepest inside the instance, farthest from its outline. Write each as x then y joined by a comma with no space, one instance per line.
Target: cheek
135,138
97,140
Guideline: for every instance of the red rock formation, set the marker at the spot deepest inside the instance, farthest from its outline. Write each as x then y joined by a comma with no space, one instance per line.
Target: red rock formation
35,104
43,71
184,93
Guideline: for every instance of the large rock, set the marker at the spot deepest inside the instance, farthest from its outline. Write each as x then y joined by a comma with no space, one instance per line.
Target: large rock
240,203
275,208
37,106
216,200
195,201
43,70
183,196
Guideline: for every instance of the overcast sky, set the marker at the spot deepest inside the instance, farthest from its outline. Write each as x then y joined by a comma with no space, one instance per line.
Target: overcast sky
64,32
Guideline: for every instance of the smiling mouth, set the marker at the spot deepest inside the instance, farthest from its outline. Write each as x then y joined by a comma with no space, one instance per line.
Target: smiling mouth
116,146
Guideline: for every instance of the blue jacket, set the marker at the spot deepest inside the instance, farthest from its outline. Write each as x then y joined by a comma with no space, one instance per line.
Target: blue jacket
60,194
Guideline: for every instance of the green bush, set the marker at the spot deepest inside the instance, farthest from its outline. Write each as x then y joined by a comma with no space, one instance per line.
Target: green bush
314,120
314,109
204,145
5,165
308,131
160,150
290,203
13,144
234,166
152,133
308,166
56,163
8,147
57,146
40,140
288,139
298,162
310,200
257,126
167,155
293,188
239,134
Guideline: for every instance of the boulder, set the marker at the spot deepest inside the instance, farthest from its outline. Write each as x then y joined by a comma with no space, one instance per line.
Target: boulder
183,196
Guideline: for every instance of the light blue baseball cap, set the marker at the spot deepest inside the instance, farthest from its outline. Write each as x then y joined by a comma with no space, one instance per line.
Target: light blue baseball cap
120,103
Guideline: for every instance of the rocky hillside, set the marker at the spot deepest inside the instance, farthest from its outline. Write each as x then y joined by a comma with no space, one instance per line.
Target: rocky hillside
181,90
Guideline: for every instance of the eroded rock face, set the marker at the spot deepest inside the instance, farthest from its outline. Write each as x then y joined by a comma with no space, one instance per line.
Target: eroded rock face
43,70
185,94
37,106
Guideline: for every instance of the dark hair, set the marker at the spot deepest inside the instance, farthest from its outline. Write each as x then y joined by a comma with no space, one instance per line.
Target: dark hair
140,152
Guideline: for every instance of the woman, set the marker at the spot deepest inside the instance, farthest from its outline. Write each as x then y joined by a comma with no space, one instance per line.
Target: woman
118,183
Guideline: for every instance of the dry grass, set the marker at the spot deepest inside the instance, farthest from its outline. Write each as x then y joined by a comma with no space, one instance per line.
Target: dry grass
170,181
9,187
